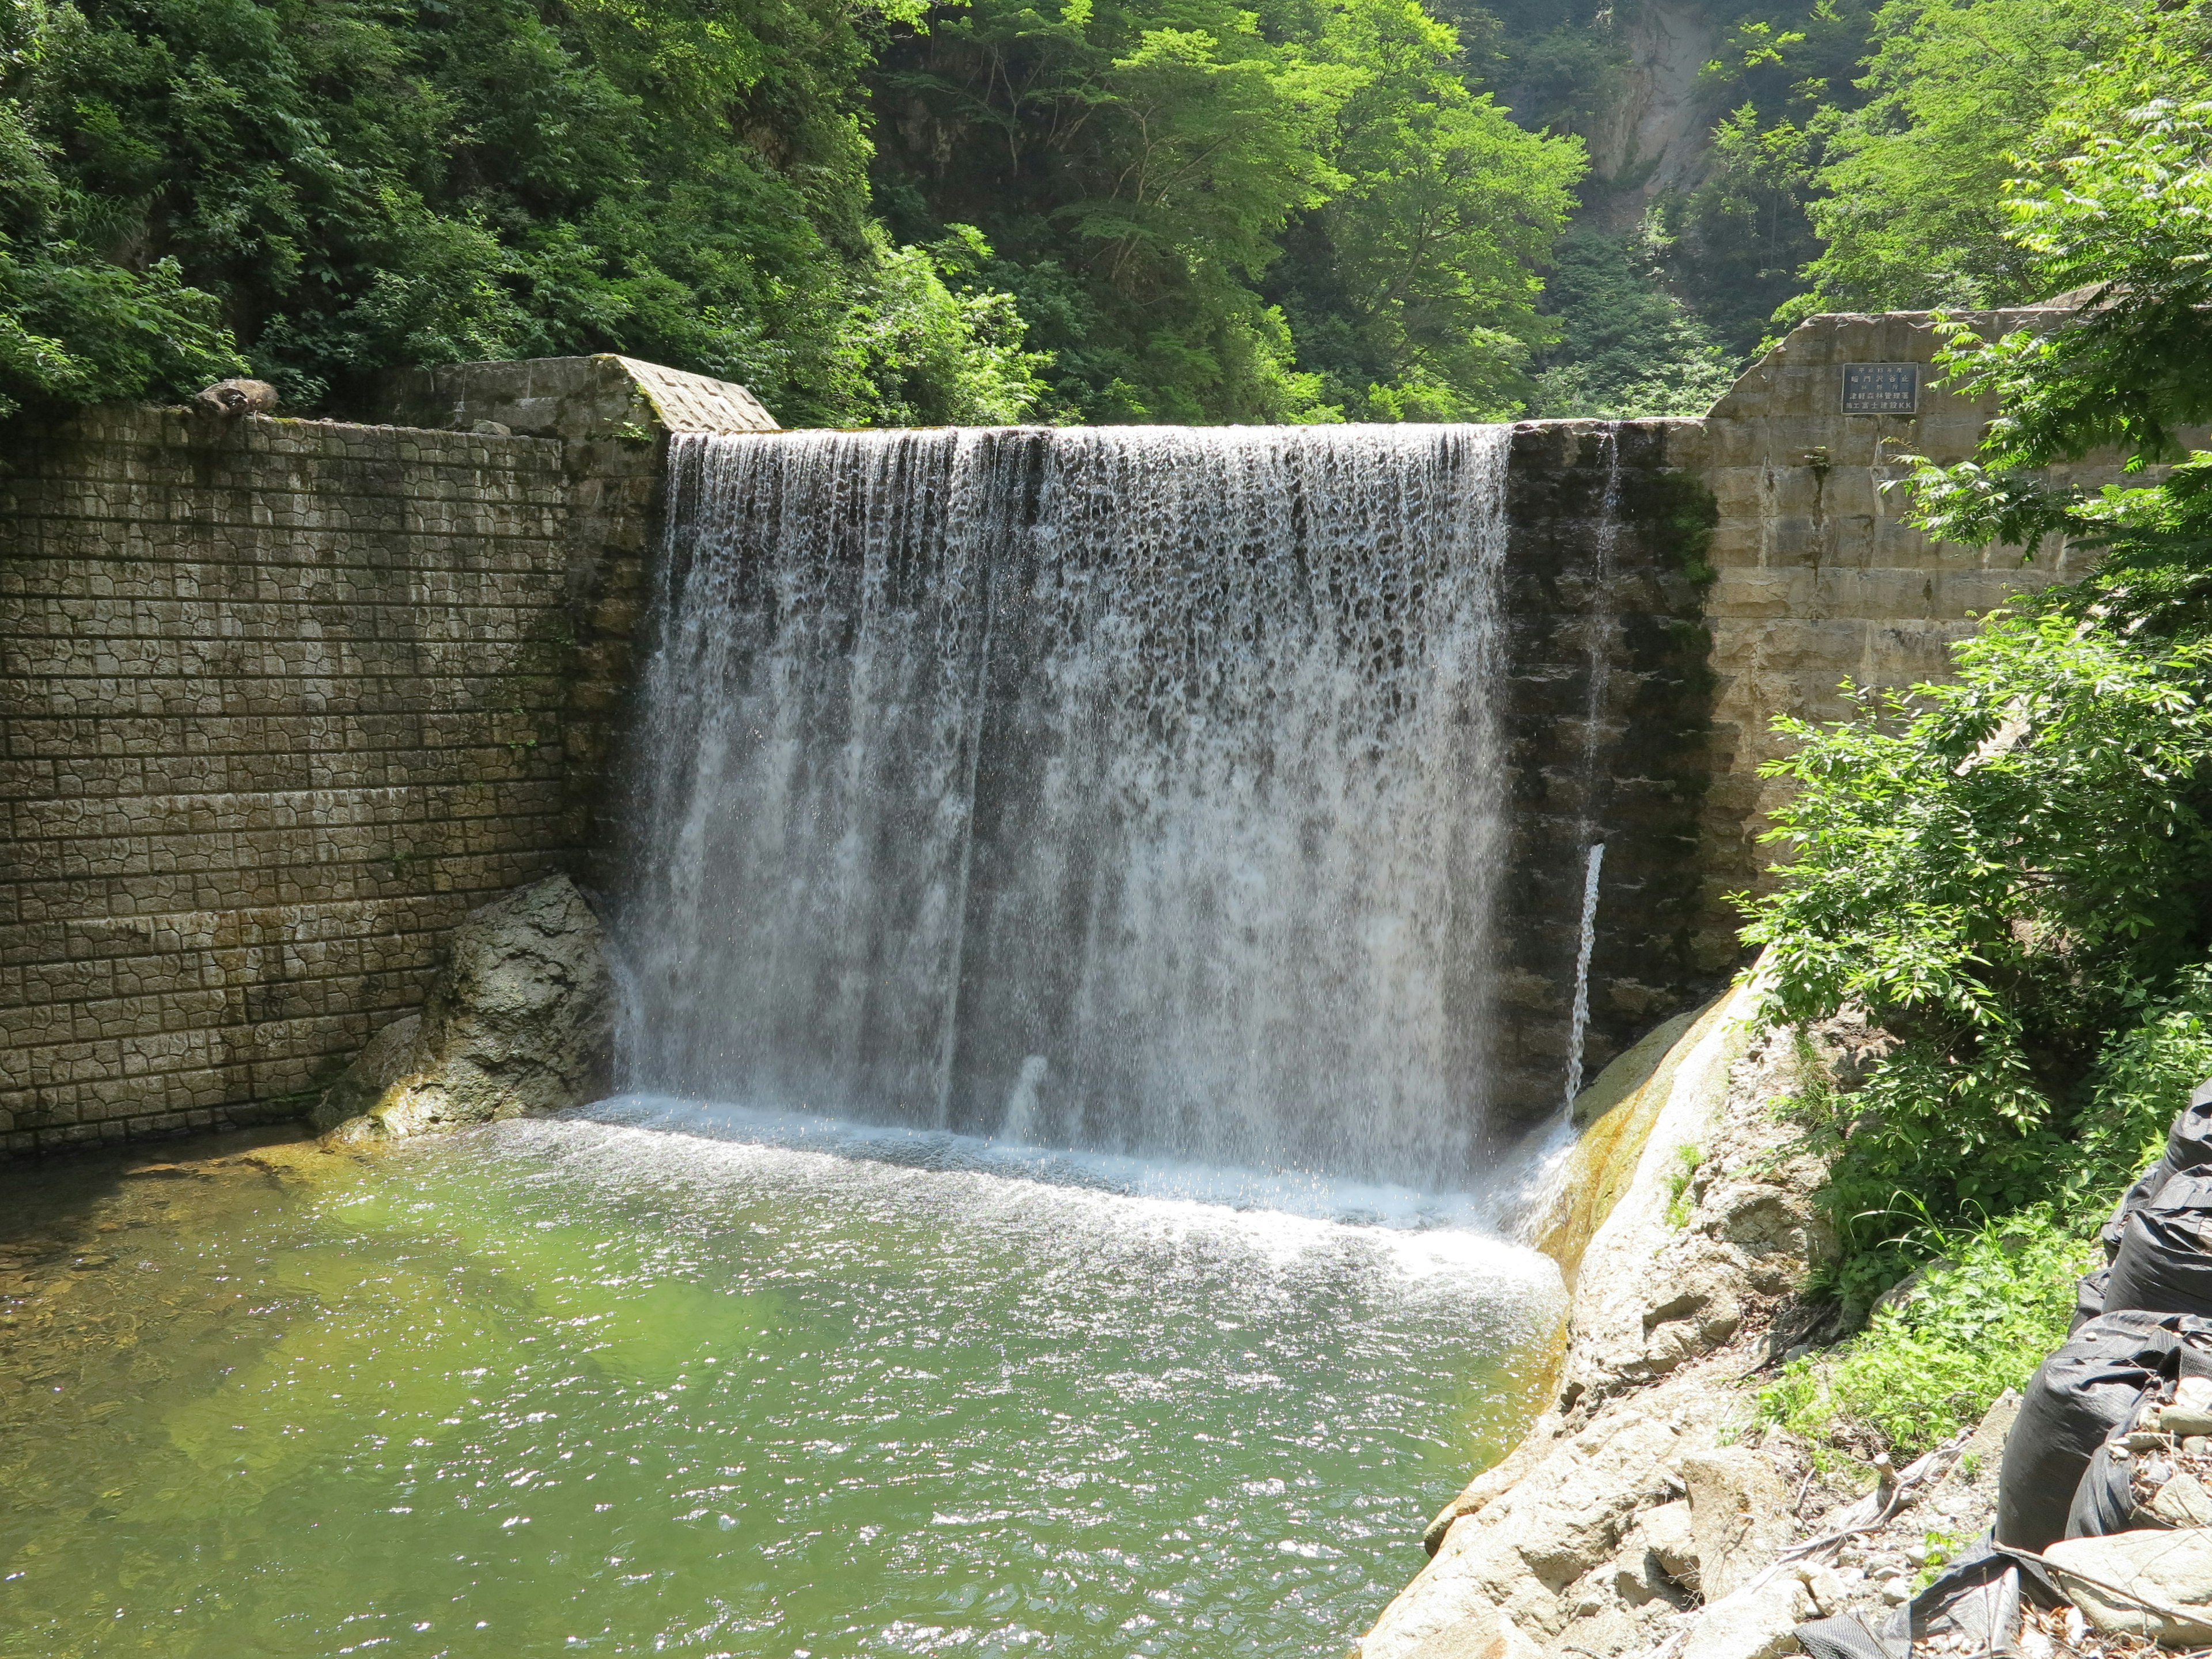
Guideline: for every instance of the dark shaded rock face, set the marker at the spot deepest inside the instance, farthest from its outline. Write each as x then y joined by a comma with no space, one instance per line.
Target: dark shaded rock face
1607,729
521,1019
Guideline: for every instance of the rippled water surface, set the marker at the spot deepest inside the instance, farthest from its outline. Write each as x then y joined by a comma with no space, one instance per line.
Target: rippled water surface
592,1386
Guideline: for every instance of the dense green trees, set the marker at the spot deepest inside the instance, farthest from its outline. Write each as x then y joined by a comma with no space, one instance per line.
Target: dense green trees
339,185
896,210
1912,182
326,187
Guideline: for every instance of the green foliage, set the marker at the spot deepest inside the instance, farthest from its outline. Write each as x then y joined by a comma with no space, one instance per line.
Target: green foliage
936,356
1687,1162
2011,873
1977,1322
1738,242
1911,184
1629,347
1146,170
338,187
73,328
2121,214
327,188
2000,872
1998,1295
2141,1079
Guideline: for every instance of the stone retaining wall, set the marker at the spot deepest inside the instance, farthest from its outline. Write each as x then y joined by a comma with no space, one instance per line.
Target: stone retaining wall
280,700
1817,577
1610,701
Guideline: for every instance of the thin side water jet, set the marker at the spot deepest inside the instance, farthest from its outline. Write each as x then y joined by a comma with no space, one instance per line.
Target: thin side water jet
1598,682
1578,1019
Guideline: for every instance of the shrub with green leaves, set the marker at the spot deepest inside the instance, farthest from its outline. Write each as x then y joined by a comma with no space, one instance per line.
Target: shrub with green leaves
2001,872
1977,1323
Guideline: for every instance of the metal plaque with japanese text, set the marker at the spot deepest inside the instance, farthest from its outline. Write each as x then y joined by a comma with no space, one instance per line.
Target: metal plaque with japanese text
1882,388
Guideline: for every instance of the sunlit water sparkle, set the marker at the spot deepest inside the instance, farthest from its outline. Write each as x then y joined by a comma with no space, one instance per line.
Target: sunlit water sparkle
586,1385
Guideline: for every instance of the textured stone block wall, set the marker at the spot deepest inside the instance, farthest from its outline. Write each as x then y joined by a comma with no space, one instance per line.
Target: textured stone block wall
1818,577
279,703
1607,720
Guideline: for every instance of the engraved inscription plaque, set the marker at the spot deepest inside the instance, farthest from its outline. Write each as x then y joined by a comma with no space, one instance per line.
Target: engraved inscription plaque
1882,388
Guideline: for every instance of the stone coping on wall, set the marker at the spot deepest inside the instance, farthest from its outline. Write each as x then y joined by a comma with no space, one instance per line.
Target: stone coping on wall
576,398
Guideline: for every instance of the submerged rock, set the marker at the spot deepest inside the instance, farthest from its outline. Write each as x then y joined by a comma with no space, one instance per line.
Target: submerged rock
521,1019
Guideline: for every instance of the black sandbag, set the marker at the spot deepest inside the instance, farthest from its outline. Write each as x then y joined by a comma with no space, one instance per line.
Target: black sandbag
2188,1142
2188,1146
2106,1497
2075,1400
2165,1260
2105,1502
2144,1192
1977,1597
2088,1299
1849,1636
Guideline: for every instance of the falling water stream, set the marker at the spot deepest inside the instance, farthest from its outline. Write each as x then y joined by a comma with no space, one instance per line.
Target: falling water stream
1135,789
1053,1206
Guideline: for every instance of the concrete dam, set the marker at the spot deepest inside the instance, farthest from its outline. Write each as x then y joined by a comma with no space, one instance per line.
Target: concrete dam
287,698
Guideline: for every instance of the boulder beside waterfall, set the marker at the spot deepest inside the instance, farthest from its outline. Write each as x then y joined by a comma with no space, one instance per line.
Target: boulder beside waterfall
519,1019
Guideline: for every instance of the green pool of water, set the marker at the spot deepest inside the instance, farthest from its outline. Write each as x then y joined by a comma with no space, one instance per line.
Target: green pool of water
568,1387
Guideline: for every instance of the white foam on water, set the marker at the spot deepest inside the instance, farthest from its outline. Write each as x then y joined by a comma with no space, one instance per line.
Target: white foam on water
1046,1191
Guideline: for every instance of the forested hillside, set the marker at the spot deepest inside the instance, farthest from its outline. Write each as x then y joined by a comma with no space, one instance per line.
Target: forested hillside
997,210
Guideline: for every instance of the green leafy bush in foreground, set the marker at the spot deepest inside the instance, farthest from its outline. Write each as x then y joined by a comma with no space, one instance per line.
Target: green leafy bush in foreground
2004,873
1998,1295
1979,1322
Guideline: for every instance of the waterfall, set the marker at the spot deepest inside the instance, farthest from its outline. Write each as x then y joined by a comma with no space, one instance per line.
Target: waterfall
1130,788
1586,941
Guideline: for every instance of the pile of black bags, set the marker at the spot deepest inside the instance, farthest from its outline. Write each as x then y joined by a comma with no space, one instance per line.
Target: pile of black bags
2094,1390
2158,1245
2141,1324
2099,1415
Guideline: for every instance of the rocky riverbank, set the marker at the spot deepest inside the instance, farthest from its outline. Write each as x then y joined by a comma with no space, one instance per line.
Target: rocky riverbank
1651,1509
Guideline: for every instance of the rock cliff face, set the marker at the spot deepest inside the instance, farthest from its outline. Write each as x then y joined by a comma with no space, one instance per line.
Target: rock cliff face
1655,135
1649,1506
519,1019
